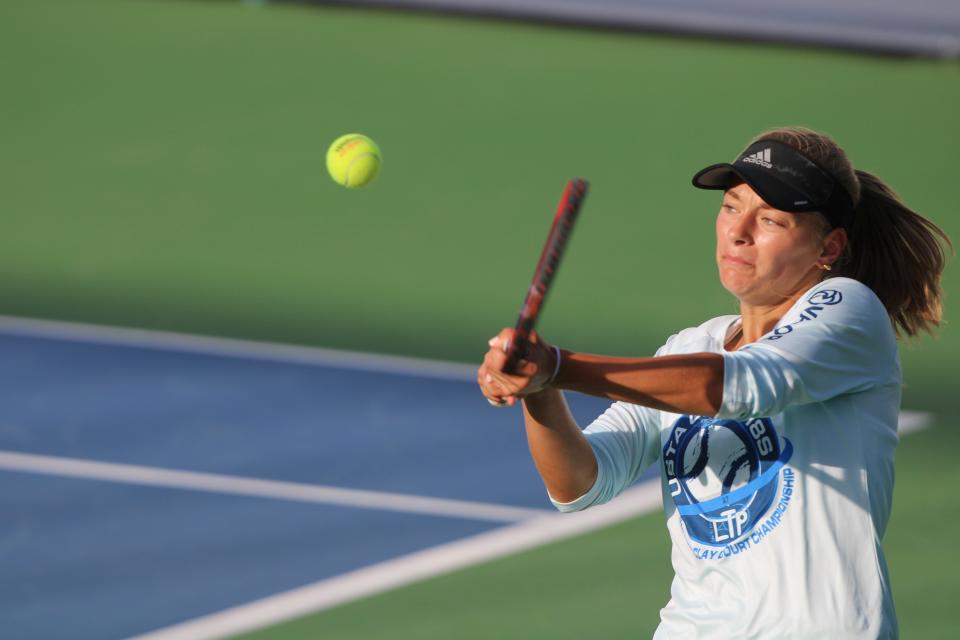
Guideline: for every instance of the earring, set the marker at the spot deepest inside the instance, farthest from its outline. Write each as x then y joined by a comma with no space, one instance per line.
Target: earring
825,267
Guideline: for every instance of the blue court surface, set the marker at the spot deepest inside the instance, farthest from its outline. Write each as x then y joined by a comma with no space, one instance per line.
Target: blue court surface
97,542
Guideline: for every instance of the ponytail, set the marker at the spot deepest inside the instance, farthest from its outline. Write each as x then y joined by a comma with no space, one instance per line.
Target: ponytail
898,253
890,248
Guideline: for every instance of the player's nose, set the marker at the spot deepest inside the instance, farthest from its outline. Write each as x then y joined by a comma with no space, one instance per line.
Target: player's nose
740,230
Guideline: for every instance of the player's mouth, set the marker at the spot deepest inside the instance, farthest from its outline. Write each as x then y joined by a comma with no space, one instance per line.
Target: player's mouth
734,261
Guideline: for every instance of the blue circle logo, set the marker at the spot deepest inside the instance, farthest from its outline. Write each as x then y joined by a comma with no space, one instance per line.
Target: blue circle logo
826,297
723,475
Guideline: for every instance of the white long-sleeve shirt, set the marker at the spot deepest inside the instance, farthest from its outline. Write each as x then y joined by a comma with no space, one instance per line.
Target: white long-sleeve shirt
775,506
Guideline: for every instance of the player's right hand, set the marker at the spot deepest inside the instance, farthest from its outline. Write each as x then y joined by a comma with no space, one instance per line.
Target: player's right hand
531,374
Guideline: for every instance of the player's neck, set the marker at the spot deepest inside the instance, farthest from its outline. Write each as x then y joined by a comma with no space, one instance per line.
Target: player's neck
759,320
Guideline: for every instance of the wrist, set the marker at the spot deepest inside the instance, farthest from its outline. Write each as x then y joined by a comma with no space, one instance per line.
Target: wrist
542,399
557,361
561,360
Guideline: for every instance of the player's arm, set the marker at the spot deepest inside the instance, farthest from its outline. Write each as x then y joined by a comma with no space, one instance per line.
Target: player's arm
686,383
558,447
563,456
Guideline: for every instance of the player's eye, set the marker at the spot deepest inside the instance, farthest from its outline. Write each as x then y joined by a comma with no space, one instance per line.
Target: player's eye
773,222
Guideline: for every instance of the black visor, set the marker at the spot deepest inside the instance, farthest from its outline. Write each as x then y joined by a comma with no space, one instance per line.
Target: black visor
785,179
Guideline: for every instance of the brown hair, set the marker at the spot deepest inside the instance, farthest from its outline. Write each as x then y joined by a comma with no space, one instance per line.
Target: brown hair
892,249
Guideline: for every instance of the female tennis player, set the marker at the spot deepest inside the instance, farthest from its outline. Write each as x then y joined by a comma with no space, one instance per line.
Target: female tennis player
774,429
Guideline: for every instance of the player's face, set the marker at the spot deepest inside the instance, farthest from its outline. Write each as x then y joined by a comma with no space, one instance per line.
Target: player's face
766,256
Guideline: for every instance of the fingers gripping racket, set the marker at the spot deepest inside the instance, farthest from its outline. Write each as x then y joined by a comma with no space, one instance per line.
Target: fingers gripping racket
553,249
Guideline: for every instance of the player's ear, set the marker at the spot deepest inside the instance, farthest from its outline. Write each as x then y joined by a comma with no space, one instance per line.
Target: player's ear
833,245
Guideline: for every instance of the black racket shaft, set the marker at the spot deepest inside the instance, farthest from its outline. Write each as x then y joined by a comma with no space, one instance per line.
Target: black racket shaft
560,231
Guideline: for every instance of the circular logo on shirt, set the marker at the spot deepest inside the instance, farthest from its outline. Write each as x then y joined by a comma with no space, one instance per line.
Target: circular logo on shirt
723,475
826,297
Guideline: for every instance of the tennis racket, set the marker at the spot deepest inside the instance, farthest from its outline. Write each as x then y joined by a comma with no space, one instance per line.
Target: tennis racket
560,230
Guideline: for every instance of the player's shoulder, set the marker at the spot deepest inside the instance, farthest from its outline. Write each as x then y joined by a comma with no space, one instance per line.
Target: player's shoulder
837,307
843,296
835,290
707,336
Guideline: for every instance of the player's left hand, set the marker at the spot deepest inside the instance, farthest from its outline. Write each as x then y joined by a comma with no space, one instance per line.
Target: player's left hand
532,373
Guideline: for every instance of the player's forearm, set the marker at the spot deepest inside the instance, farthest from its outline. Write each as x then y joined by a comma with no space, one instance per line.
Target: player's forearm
560,451
686,383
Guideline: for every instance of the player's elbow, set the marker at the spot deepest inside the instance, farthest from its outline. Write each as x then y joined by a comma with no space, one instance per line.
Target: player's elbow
700,387
573,486
713,389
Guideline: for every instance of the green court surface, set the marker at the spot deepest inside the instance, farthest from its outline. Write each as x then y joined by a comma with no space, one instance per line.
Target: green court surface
161,166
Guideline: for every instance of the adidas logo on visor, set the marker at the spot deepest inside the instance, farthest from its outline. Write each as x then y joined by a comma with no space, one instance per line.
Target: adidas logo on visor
761,158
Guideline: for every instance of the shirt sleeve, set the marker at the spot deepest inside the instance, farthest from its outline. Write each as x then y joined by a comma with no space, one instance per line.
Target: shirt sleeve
838,340
625,440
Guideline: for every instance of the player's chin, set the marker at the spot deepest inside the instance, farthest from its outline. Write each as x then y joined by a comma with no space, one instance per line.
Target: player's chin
737,282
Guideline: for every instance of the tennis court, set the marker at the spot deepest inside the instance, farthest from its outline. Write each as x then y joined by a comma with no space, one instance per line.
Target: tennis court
197,484
162,168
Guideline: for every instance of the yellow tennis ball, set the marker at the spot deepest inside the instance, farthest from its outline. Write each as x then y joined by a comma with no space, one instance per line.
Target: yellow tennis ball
353,160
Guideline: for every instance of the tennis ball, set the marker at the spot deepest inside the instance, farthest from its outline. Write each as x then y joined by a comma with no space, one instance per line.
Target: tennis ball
353,160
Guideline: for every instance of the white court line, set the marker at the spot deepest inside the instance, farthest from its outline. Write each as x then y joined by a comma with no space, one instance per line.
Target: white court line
233,348
256,487
414,567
